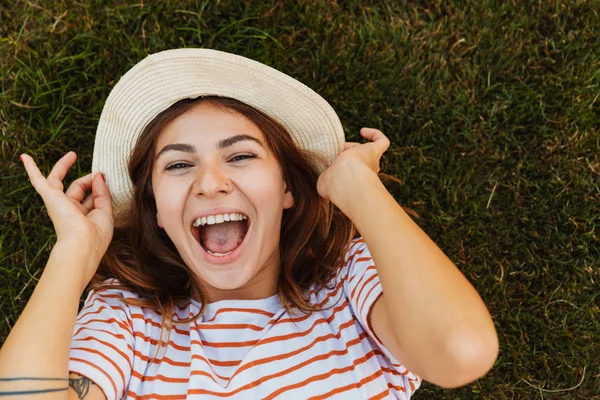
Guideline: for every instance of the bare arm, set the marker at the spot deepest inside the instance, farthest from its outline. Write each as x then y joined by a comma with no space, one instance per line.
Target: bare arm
34,358
430,317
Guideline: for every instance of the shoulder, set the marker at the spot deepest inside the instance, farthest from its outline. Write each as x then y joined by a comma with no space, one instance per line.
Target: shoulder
357,248
355,260
107,304
112,294
112,288
135,306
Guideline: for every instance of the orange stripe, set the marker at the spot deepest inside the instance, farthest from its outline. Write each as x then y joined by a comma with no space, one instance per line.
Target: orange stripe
154,342
288,371
167,360
204,343
346,263
209,366
320,377
235,345
272,358
278,357
108,322
391,385
185,364
230,326
301,334
118,296
266,359
204,373
99,298
147,339
114,364
391,371
157,396
201,325
359,283
97,369
97,311
150,321
367,296
370,267
358,297
219,363
94,331
159,377
144,378
246,310
355,385
381,395
107,344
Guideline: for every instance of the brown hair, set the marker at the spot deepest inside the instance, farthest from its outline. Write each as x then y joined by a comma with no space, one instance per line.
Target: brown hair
314,234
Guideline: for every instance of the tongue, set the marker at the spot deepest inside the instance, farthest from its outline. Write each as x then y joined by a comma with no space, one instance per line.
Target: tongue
223,237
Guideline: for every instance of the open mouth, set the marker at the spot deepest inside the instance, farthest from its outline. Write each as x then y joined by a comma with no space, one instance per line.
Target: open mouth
221,234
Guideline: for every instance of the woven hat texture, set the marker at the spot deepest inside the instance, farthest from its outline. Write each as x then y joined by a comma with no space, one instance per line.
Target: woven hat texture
162,79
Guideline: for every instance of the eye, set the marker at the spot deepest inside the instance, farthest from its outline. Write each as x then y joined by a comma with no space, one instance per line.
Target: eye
241,157
178,165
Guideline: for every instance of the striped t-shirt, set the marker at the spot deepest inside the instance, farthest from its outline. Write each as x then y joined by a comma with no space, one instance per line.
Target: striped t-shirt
245,349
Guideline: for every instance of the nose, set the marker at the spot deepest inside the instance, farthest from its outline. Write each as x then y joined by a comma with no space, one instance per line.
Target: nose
210,181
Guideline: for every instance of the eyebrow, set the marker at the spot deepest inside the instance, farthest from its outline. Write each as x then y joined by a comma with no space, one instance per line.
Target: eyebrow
223,144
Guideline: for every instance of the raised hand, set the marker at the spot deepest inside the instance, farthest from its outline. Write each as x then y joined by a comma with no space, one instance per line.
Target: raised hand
350,168
78,220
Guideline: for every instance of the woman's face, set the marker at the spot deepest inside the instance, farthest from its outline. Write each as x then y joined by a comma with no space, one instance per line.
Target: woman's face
211,166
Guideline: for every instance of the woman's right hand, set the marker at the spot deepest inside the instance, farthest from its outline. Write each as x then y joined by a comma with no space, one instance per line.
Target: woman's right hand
78,220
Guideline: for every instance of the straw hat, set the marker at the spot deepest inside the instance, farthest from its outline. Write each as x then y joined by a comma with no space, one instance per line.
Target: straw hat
162,79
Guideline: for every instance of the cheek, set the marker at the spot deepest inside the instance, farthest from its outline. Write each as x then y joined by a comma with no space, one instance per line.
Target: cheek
266,187
170,198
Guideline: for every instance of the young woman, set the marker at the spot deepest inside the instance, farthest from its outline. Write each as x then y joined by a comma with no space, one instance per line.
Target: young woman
220,242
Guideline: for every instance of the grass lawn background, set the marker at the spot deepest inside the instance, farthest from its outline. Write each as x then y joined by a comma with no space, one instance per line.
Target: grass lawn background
492,107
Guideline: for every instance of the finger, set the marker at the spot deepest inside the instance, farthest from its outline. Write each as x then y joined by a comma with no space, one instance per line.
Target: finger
377,137
101,194
349,145
88,204
371,133
60,169
79,188
33,172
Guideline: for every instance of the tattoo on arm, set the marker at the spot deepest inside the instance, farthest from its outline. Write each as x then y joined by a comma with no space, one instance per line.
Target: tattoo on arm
29,392
81,385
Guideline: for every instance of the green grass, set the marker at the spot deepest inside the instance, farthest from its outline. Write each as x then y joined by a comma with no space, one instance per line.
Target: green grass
493,109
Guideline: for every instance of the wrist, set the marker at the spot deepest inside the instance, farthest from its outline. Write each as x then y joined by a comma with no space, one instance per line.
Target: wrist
355,187
80,249
75,262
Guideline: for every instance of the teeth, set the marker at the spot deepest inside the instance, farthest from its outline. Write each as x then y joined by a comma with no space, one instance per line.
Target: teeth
218,219
218,254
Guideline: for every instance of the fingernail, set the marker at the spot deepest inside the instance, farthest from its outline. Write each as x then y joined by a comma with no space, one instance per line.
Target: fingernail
21,157
102,176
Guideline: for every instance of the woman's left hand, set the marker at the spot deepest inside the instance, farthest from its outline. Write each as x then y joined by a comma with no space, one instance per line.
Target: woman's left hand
354,163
